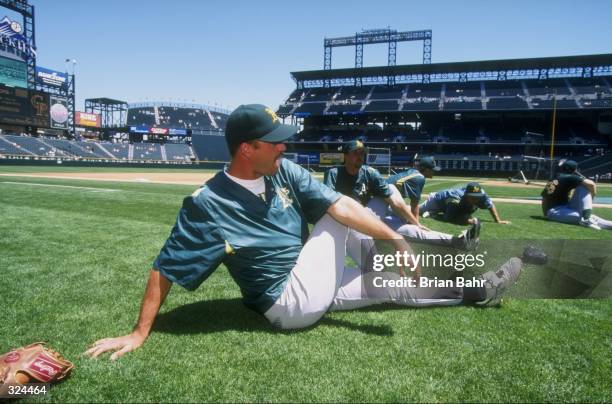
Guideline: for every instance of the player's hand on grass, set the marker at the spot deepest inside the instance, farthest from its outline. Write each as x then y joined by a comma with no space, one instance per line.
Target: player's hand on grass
423,227
118,345
504,222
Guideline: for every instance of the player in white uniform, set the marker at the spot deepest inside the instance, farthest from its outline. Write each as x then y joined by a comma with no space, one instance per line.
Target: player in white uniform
253,218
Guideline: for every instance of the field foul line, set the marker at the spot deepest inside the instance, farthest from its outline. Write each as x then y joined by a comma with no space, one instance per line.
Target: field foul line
61,186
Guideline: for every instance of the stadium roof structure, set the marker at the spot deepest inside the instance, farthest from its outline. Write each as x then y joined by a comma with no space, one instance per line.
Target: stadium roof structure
503,69
106,101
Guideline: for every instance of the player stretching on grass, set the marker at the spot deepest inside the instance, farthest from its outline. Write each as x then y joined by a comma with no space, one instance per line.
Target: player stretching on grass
253,218
559,207
368,187
457,205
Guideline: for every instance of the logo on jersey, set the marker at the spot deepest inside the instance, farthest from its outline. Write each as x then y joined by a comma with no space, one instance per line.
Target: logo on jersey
283,195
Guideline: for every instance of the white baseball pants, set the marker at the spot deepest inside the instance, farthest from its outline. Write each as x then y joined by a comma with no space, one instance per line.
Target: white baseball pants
319,282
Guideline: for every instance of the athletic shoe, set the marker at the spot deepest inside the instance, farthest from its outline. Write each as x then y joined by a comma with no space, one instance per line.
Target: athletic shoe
498,282
589,223
469,239
604,224
425,214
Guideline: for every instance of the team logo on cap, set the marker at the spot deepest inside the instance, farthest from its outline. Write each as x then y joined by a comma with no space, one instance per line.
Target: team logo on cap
272,115
359,144
476,189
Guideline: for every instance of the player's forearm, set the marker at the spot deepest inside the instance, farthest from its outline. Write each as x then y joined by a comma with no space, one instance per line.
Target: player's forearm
590,186
155,294
350,213
401,209
494,214
414,207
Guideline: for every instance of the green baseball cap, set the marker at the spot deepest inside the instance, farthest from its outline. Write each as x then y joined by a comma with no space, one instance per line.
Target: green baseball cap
569,166
428,162
474,189
256,122
351,145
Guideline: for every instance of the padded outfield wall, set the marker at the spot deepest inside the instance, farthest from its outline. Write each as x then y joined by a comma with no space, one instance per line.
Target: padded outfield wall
210,147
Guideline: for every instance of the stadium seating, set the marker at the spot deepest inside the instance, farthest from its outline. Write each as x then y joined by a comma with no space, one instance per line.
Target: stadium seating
387,92
353,93
509,88
178,152
147,151
546,87
9,147
143,116
119,150
506,103
311,108
549,104
467,89
320,94
382,106
34,145
344,108
433,90
456,105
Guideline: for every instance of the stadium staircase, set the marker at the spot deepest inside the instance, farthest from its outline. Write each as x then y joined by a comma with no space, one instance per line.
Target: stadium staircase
163,152
212,119
131,152
483,95
20,147
157,120
105,150
573,93
77,146
527,95
442,96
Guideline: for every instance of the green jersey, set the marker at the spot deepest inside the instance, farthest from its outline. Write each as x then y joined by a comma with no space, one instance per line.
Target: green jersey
556,192
362,187
258,240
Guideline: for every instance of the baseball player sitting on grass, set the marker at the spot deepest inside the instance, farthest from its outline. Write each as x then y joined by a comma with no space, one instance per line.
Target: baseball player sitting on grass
410,182
457,205
253,218
367,186
559,207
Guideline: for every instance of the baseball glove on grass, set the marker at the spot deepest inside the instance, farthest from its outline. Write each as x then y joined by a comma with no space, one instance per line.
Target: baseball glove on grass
34,363
533,255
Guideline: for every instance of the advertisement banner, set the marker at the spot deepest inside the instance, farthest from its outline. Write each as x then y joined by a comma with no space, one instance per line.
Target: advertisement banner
139,129
159,131
87,119
178,132
331,158
52,78
13,73
19,106
58,112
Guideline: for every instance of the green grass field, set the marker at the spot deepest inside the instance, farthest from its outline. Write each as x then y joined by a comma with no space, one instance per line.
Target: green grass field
75,259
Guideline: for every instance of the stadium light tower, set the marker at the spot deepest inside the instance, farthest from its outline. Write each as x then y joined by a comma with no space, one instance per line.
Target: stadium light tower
72,89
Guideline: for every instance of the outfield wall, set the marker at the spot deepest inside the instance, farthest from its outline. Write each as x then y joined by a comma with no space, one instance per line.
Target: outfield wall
40,161
210,147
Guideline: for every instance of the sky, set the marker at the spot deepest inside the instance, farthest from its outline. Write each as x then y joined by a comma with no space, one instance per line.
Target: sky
227,53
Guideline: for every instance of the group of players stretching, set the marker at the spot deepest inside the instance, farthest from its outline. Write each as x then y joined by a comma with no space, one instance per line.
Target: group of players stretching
568,198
